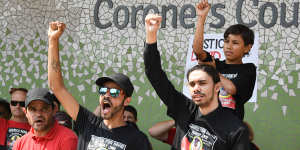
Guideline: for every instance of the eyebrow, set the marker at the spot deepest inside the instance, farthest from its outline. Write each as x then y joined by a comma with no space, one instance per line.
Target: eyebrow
203,80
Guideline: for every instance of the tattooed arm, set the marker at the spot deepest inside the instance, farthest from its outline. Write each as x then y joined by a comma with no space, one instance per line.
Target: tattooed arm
55,79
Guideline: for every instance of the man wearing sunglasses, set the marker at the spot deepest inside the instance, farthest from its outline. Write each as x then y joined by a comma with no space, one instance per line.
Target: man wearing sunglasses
109,131
17,126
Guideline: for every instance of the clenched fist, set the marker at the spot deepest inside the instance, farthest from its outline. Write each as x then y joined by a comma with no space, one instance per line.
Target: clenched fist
56,29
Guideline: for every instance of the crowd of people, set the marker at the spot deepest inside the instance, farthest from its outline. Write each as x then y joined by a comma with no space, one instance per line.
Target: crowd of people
32,119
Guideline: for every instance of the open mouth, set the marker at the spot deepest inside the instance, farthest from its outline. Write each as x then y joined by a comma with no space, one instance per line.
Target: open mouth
39,121
106,106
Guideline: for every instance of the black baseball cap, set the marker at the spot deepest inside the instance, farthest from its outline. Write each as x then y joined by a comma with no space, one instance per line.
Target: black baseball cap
122,80
42,94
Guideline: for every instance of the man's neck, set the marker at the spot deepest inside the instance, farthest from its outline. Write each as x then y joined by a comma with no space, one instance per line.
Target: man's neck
114,122
19,119
210,108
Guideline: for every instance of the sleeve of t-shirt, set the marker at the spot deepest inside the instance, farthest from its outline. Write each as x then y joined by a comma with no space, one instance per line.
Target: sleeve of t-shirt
208,57
171,135
179,106
245,83
3,129
143,143
83,117
240,140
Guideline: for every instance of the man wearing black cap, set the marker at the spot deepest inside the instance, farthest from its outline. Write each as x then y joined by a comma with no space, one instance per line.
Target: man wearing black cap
109,131
45,132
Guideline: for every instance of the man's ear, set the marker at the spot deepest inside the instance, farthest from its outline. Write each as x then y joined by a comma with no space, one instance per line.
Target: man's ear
127,101
24,110
218,87
55,110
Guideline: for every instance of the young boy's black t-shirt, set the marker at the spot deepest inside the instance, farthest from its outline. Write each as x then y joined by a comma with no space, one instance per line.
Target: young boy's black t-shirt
243,77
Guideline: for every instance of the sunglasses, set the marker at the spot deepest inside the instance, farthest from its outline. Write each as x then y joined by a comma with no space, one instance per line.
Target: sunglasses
15,103
112,91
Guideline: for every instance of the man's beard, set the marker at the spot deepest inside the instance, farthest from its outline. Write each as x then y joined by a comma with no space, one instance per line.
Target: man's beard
208,102
113,110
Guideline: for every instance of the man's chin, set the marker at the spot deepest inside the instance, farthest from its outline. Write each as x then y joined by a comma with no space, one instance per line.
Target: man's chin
38,128
197,100
106,117
198,103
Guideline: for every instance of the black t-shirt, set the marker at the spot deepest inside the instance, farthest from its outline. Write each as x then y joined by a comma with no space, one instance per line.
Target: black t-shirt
12,135
218,130
243,77
93,134
3,147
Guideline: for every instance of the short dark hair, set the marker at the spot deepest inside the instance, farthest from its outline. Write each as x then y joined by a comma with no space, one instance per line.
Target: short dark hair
210,70
132,110
5,104
54,99
238,29
63,116
12,90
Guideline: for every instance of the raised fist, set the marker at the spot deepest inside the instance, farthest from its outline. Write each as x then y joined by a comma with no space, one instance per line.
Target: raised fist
56,29
152,22
203,8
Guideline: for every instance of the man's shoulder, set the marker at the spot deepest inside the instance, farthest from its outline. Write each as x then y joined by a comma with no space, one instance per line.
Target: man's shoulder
135,130
249,66
3,121
140,137
86,117
24,139
66,132
20,125
230,120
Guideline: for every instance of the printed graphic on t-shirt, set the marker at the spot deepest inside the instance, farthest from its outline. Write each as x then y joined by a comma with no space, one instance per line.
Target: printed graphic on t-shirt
12,135
101,143
198,138
226,99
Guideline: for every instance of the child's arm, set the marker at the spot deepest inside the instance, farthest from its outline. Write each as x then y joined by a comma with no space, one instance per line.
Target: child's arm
242,86
202,10
228,85
161,130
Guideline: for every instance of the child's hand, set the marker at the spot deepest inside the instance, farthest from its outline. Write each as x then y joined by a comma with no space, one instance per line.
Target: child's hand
202,8
212,63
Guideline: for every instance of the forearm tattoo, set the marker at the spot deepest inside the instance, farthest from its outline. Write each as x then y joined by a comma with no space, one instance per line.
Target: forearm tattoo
55,65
